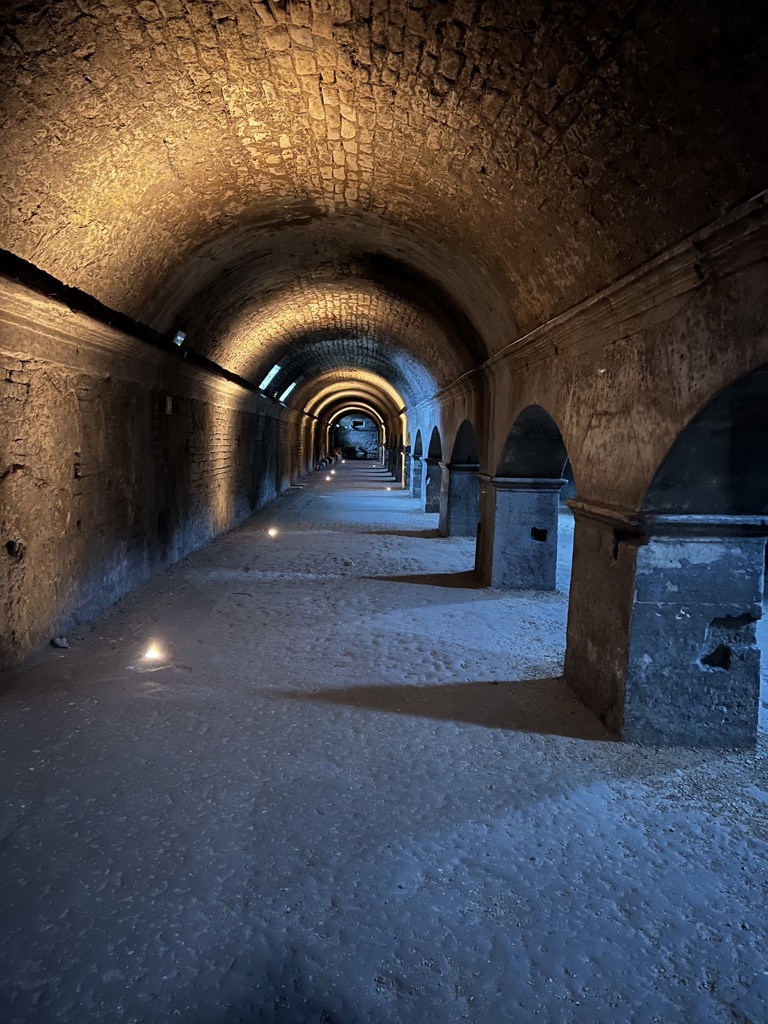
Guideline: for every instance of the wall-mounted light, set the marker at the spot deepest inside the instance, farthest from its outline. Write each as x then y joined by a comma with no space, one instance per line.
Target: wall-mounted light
178,338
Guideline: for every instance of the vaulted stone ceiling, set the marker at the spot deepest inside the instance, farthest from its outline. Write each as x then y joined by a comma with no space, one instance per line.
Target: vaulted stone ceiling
374,183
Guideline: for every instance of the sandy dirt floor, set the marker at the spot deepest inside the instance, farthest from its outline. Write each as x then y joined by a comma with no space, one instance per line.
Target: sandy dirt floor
353,789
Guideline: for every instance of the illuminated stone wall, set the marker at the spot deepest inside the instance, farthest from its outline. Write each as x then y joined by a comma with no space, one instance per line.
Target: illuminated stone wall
357,436
116,461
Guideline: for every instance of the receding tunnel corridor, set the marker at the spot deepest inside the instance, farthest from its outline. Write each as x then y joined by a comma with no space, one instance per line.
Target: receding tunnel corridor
352,788
383,511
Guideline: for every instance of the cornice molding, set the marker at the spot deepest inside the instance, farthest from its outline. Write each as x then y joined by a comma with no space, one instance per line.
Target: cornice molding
648,295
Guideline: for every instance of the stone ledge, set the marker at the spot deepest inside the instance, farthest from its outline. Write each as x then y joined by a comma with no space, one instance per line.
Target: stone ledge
639,299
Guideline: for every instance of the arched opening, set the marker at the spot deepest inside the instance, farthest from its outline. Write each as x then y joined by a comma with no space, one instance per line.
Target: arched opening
719,463
393,455
670,654
534,447
698,622
529,540
417,467
355,435
434,473
460,504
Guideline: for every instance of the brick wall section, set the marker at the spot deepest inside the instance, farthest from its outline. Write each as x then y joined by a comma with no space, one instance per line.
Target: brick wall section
100,486
321,325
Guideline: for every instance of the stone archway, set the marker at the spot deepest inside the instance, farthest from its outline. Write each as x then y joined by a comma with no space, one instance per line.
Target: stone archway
417,467
520,544
682,585
460,498
433,482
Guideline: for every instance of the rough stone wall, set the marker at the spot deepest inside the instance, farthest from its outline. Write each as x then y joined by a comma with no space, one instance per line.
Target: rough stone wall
623,374
540,144
106,478
321,325
357,436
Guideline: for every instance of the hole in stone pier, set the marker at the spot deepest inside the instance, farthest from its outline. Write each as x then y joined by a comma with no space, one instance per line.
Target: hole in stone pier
733,622
719,658
538,534
77,471
15,549
623,537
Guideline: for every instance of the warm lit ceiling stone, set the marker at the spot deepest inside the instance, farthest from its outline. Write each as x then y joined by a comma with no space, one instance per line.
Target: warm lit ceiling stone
194,161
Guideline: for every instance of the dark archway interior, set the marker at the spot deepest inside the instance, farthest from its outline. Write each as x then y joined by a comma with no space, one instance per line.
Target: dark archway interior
435,450
466,450
534,447
355,435
719,463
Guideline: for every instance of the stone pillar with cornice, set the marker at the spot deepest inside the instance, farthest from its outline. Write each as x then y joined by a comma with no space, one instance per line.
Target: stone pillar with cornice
460,500
661,624
519,551
417,476
433,485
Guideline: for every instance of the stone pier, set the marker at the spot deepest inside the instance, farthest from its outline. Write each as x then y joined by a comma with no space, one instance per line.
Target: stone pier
521,553
661,624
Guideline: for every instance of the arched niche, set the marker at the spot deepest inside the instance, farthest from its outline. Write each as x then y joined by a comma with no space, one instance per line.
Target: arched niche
534,447
460,502
434,473
719,463
466,450
435,450
524,541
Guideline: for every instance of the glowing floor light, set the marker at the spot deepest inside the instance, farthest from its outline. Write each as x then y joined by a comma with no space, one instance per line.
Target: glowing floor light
153,653
272,531
328,478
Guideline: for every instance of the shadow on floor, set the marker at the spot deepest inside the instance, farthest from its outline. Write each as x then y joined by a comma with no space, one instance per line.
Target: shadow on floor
543,706
462,580
425,534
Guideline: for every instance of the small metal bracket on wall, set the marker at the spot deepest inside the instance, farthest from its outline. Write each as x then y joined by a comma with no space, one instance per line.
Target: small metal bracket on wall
168,405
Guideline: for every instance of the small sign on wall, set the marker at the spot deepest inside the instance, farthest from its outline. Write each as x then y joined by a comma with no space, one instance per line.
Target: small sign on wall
168,405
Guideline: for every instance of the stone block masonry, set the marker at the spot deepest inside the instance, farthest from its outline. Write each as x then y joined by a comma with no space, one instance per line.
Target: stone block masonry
694,665
107,477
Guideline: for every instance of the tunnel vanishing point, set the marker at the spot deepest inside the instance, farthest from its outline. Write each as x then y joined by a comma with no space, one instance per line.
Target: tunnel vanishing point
526,241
